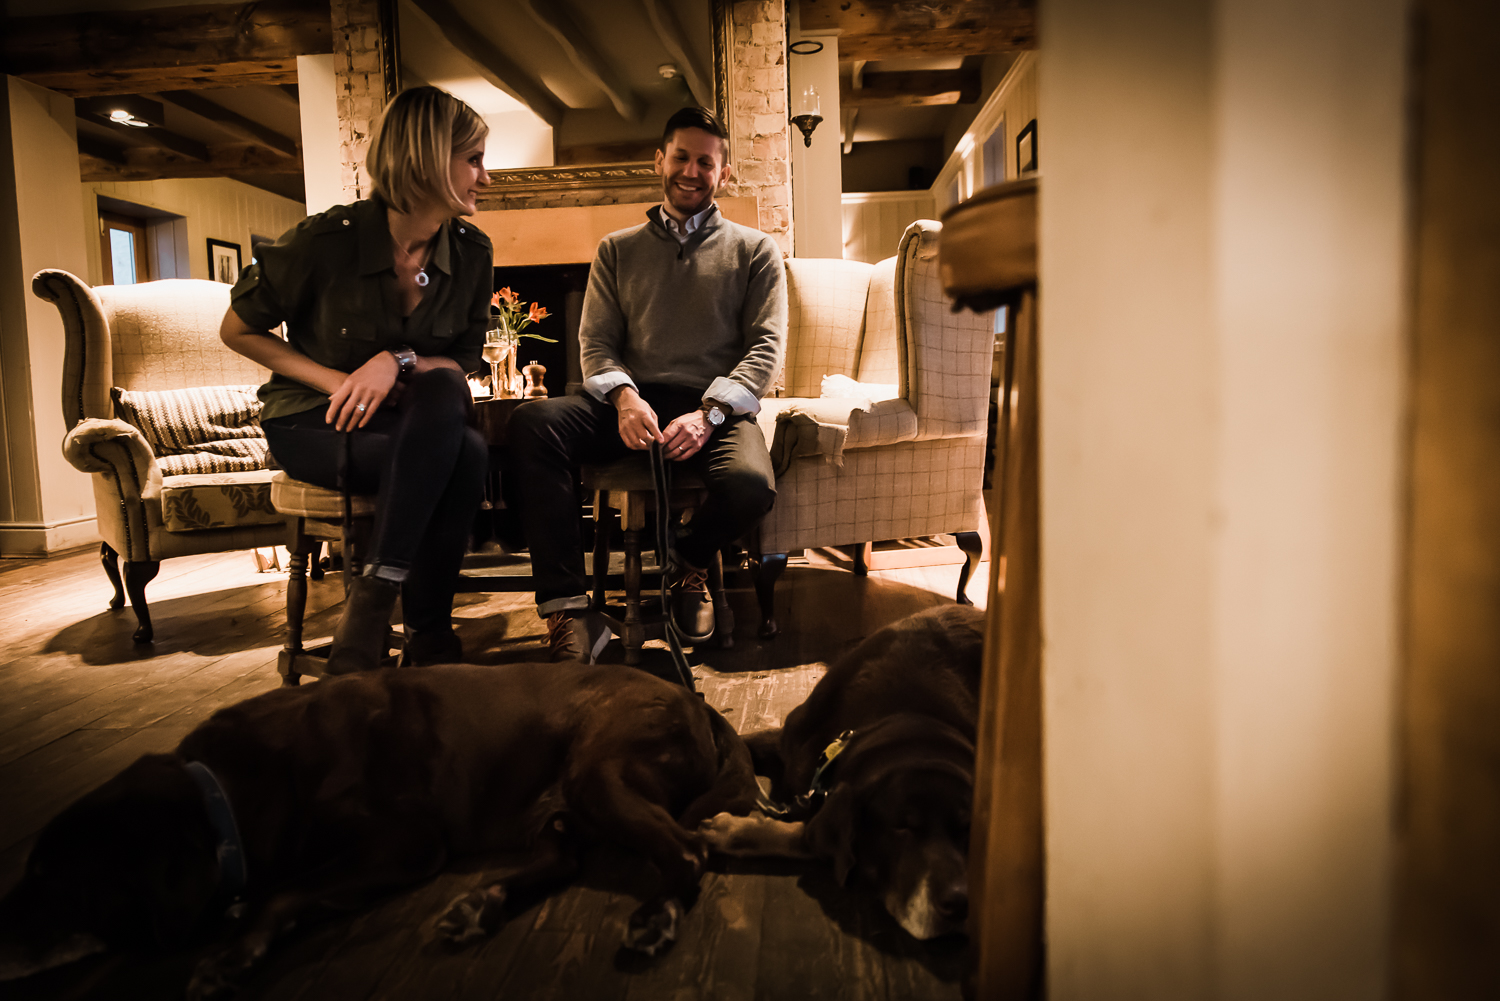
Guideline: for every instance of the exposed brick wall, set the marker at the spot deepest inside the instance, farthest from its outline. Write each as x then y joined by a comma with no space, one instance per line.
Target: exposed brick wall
360,86
758,117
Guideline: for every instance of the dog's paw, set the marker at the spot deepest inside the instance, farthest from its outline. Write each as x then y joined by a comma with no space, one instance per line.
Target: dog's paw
217,976
476,914
653,927
726,833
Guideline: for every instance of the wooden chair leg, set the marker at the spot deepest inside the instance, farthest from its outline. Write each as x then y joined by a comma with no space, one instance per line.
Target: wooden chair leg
111,562
601,550
723,637
768,567
139,573
973,548
862,553
301,550
635,626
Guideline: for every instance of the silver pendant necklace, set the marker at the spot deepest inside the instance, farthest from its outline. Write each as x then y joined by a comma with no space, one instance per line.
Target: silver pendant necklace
421,279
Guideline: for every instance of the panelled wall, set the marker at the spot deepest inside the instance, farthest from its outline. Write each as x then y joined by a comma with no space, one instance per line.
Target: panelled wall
986,153
212,208
875,220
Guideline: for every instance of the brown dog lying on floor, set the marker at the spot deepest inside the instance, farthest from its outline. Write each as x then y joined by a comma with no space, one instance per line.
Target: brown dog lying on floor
879,766
326,795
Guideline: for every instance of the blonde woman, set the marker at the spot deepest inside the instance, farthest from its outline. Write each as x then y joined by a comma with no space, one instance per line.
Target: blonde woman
385,303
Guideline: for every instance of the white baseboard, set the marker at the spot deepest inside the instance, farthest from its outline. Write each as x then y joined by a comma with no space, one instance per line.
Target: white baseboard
34,539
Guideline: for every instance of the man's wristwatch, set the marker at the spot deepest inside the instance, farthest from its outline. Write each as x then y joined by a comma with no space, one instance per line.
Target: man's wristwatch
406,358
715,412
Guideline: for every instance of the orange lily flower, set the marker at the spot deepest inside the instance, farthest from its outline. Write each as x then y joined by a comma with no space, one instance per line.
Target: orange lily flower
538,312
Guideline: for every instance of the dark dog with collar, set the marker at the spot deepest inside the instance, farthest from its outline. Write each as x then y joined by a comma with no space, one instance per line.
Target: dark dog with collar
879,766
327,795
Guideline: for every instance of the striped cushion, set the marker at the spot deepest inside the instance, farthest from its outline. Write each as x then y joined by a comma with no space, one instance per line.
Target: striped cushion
203,429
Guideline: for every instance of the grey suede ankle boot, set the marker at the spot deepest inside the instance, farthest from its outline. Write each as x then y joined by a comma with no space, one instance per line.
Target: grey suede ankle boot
359,642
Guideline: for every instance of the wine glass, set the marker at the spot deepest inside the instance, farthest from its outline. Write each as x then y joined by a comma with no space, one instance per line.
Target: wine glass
494,353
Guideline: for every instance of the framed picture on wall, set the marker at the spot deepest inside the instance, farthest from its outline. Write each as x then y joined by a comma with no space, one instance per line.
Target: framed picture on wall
223,261
1026,149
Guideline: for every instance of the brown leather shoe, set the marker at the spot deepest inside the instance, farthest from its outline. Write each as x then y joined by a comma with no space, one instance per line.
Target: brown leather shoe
579,635
692,607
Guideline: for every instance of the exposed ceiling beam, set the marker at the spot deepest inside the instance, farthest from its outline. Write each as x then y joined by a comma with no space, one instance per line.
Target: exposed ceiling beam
145,164
493,64
158,137
895,29
912,88
669,29
235,124
100,150
166,48
586,57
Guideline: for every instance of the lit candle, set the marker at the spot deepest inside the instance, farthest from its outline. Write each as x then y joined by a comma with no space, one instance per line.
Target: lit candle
808,103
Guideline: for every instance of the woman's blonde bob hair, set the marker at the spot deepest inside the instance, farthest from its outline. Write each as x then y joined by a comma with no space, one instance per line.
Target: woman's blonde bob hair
414,143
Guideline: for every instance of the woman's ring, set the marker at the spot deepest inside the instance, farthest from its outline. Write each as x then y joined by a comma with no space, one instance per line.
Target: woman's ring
360,407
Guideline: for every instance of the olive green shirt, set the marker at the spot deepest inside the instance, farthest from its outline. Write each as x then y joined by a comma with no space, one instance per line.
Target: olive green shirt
332,280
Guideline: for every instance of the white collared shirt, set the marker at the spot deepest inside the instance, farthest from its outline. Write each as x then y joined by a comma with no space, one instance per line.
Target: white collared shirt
683,230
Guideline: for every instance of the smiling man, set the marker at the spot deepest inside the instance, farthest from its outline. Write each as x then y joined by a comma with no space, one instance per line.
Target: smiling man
683,332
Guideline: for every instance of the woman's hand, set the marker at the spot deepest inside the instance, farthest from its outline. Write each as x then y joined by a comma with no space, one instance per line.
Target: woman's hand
363,391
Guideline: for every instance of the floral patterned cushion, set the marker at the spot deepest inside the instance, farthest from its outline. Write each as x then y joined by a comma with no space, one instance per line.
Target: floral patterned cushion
217,500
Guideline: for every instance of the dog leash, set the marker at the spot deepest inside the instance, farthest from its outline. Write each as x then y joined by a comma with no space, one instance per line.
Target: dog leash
234,874
346,463
661,482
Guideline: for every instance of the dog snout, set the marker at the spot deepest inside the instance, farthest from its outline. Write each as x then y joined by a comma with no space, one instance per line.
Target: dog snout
952,902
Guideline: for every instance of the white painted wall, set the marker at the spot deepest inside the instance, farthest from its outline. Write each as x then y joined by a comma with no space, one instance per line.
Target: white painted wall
46,504
1222,366
322,158
817,174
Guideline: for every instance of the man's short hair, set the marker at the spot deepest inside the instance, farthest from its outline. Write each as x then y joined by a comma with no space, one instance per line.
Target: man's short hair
413,146
694,118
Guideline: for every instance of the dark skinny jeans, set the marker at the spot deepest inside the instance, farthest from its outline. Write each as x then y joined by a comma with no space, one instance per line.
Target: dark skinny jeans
426,467
548,440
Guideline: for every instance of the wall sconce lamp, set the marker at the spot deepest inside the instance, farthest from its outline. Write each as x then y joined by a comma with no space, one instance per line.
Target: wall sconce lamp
807,117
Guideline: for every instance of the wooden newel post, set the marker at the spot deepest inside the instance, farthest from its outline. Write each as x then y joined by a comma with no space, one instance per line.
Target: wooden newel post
988,259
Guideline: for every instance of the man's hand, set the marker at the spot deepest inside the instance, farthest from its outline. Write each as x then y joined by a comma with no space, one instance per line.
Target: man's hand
686,435
638,427
363,391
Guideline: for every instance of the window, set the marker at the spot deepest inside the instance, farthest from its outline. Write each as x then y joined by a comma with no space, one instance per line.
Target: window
994,156
122,249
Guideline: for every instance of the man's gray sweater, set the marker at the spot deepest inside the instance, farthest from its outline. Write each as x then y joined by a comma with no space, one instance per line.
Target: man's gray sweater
686,314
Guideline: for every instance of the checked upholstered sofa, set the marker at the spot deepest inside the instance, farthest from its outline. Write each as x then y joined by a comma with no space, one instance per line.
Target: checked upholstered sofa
166,420
879,432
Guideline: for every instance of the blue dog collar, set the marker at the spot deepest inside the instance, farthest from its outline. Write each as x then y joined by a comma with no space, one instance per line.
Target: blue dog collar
233,876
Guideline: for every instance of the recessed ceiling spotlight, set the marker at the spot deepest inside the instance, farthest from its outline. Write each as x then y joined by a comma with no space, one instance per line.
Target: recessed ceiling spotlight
668,71
124,109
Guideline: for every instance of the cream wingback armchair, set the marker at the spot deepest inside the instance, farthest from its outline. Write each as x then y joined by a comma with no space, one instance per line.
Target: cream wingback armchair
880,430
166,420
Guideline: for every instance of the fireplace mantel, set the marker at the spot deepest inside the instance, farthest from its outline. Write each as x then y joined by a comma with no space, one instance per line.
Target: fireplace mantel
570,235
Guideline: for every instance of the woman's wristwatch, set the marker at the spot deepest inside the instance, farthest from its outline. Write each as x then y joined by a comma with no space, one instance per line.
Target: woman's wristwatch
406,359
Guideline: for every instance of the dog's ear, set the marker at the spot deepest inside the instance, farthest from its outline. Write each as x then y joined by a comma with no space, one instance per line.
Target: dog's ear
832,830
